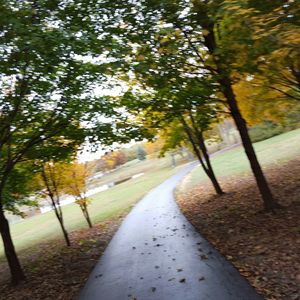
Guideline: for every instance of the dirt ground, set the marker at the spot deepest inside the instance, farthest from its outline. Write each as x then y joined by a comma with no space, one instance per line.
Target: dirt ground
55,271
264,247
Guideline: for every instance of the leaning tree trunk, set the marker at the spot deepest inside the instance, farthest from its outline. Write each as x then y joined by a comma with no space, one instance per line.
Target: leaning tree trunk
202,146
65,233
52,192
86,214
17,274
224,80
208,172
269,202
60,219
212,177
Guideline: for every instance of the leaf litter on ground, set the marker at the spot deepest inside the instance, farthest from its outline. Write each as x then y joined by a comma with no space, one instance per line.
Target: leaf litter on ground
263,246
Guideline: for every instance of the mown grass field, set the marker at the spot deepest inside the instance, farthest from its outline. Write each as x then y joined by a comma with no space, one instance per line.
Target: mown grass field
276,150
134,167
105,205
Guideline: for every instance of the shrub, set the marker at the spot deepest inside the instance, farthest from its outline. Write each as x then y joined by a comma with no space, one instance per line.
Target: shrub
265,130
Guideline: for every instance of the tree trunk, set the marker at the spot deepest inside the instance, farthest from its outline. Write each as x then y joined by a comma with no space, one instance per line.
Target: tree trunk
203,148
86,215
61,223
269,202
55,202
224,80
17,274
212,177
65,233
210,174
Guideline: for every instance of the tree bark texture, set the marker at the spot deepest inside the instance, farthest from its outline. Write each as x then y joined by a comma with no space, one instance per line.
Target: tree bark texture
17,274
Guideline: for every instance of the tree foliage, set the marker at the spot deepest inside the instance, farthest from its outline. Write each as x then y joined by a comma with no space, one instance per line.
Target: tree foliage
48,103
75,177
183,64
199,39
52,178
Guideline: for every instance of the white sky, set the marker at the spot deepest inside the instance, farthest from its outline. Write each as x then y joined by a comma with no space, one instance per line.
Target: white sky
86,154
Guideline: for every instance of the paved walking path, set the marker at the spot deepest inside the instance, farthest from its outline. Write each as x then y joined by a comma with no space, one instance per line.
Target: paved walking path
157,255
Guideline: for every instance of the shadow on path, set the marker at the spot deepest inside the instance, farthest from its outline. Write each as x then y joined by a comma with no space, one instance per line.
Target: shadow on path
157,254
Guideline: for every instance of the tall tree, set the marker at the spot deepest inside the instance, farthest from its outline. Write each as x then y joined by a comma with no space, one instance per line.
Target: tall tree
162,66
48,76
184,101
199,27
38,98
204,16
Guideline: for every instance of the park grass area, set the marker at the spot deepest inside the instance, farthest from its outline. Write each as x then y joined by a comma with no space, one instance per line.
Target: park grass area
111,203
134,167
263,246
274,151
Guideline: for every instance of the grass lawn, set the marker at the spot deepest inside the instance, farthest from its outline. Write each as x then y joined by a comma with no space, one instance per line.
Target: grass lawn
274,151
134,167
105,205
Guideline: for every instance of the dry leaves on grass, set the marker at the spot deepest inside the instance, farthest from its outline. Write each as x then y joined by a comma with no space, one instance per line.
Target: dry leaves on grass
55,271
263,246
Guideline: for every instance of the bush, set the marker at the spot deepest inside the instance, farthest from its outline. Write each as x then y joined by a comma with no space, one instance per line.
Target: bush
265,130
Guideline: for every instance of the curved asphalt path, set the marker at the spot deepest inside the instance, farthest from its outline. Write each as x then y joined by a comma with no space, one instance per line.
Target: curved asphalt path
157,255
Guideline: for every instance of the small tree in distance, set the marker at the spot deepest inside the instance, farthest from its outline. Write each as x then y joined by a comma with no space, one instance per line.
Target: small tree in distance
75,176
52,178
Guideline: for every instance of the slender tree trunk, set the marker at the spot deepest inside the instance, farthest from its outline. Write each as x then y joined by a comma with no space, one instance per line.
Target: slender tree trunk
55,203
210,42
17,274
269,202
86,215
209,166
203,148
66,235
61,223
210,174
